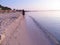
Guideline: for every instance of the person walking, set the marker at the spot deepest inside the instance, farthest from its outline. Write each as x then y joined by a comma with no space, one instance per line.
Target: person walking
23,12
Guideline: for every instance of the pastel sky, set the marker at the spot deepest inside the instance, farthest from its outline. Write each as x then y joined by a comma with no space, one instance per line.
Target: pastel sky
32,4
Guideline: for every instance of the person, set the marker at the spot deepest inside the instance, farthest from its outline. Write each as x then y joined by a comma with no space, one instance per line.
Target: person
23,12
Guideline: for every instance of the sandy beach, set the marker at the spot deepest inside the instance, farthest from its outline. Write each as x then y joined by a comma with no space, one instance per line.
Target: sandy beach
16,30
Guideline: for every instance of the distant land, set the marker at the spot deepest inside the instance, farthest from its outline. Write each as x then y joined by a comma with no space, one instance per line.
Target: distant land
4,8
8,8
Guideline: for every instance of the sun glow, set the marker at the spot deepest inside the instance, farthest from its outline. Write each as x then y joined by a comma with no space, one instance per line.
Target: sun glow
48,5
54,5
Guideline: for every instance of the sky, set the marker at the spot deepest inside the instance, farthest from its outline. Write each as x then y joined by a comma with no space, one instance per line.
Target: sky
32,4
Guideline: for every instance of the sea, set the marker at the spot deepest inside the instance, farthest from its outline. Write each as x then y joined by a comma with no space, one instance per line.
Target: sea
50,20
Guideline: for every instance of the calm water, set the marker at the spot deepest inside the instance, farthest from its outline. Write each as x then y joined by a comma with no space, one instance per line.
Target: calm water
50,20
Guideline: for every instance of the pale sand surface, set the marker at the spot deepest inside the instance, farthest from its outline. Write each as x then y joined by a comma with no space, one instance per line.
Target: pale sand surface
6,19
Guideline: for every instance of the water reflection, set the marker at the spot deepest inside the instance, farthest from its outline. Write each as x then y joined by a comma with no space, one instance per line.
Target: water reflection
49,20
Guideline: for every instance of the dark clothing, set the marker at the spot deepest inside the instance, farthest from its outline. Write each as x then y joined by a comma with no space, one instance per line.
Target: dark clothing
23,12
